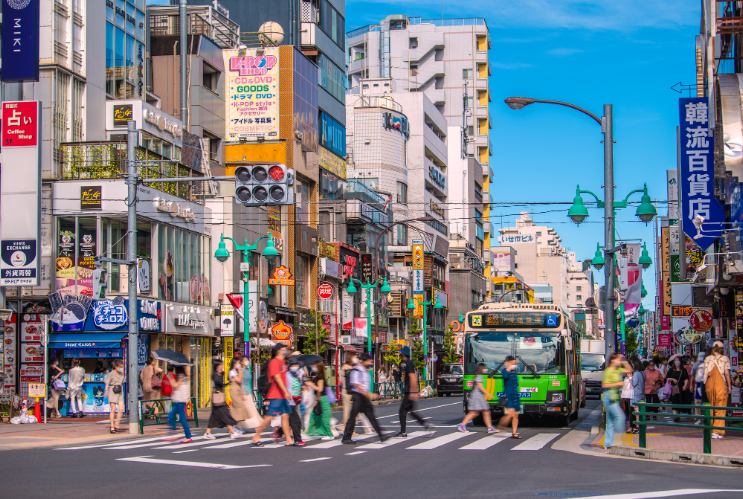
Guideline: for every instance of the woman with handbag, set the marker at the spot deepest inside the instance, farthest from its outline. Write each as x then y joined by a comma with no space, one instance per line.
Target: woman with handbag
115,392
238,411
56,386
320,418
612,383
478,400
151,382
679,379
221,416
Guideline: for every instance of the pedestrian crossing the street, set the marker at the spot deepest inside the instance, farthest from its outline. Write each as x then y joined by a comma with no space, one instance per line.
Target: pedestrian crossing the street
416,440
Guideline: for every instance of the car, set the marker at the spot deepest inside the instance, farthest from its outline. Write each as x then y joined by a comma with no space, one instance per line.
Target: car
449,379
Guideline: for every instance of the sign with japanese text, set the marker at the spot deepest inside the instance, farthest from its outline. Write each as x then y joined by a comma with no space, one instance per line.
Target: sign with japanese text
698,173
90,197
20,188
282,276
673,195
325,291
366,268
281,332
664,340
227,320
666,270
251,94
20,51
418,259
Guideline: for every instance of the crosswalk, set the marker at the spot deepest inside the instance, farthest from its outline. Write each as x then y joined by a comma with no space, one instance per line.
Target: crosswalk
416,440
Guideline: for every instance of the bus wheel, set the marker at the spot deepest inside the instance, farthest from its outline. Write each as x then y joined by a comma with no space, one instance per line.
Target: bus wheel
565,420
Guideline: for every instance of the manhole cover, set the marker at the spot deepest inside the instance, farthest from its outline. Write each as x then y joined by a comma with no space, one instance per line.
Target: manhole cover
569,493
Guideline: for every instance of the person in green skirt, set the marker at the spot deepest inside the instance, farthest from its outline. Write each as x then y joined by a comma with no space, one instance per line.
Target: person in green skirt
320,419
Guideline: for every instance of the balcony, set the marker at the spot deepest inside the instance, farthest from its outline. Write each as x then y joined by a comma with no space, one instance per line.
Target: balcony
425,73
101,160
313,36
480,233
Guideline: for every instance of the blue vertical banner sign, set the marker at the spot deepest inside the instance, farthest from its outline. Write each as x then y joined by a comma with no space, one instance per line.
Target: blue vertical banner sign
697,174
20,52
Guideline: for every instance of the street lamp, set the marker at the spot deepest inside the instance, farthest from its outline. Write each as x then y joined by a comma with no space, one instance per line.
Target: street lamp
641,311
351,290
645,259
437,306
598,258
645,212
644,291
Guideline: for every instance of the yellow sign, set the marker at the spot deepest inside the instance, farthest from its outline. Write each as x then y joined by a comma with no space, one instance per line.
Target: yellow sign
37,390
281,332
229,354
282,276
332,163
417,257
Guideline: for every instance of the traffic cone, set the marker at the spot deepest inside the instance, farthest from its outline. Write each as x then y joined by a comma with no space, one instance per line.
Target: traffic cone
37,411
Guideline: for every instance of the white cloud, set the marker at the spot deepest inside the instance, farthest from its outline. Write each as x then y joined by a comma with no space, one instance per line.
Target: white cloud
563,52
510,65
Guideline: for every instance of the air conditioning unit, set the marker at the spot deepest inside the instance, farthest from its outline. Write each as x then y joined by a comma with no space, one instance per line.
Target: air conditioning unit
734,263
346,340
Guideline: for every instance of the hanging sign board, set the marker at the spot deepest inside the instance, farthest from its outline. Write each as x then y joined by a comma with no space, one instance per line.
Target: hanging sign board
282,276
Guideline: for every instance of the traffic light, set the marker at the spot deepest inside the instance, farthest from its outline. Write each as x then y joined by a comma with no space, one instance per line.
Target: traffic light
259,185
100,278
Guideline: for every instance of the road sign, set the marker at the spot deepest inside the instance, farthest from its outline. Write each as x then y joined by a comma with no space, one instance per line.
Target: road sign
325,291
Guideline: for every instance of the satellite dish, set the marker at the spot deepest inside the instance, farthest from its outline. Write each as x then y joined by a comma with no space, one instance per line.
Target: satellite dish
273,32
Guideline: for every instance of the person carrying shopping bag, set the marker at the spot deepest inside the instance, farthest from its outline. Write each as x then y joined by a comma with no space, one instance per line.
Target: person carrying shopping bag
320,418
611,384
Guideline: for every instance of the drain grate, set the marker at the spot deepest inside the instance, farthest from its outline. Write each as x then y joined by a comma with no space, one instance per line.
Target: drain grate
569,493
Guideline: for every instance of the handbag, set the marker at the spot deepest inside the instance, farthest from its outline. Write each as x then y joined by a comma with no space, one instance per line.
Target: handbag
331,395
156,381
58,384
317,411
627,391
218,399
116,389
668,389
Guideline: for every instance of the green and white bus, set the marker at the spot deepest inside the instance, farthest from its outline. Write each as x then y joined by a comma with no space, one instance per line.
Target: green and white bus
546,344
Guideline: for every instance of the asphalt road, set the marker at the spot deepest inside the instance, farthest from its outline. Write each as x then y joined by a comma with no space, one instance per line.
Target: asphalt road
445,464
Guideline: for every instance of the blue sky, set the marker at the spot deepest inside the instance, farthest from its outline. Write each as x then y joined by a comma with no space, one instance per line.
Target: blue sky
587,52
591,52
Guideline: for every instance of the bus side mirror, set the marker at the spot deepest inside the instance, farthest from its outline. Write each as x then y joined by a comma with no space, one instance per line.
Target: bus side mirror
568,343
564,332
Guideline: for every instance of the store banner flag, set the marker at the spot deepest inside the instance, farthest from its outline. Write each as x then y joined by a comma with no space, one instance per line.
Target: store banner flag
698,173
237,301
20,52
633,295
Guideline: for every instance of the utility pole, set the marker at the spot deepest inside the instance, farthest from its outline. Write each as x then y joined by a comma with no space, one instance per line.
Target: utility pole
607,126
131,256
183,14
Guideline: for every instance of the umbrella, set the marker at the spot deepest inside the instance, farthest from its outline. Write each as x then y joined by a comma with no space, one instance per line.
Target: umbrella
309,359
171,357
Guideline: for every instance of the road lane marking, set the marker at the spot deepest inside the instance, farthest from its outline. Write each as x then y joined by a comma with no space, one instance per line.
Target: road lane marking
335,443
198,441
155,441
316,459
356,453
420,410
667,493
486,442
393,441
537,441
184,451
151,460
439,441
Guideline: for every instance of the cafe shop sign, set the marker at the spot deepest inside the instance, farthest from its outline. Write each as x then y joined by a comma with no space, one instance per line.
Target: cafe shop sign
281,332
281,276
189,319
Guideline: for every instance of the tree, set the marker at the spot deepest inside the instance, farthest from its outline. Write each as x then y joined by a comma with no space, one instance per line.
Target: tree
450,347
417,333
391,354
316,336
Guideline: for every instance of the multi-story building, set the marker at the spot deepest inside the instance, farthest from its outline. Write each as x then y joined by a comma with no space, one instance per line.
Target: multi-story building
540,257
448,61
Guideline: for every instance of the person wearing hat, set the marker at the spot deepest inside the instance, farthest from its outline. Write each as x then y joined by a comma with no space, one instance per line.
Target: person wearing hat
717,384
278,397
410,393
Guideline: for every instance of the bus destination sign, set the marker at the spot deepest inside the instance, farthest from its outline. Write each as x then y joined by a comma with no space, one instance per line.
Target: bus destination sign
515,320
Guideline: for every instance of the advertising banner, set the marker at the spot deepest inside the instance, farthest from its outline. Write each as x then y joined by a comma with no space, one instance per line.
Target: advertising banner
20,187
698,173
227,319
347,312
251,94
673,195
418,258
20,52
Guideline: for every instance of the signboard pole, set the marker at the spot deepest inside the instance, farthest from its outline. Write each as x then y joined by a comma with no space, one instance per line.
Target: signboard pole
46,359
131,256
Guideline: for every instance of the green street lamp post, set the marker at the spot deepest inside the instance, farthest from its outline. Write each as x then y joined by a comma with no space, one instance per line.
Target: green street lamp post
269,253
351,290
437,306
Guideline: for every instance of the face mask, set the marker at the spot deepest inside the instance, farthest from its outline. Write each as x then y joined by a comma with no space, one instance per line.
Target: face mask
120,369
294,369
314,370
678,363
651,368
355,361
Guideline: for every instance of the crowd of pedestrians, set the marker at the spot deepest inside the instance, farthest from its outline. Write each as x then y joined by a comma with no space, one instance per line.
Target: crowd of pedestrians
677,380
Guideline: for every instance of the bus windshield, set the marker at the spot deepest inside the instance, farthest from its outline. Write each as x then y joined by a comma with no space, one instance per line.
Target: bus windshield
541,351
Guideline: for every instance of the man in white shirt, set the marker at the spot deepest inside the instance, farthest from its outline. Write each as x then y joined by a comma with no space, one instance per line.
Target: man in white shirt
75,388
361,400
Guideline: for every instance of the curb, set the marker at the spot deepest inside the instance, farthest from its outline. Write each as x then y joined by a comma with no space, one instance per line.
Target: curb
678,457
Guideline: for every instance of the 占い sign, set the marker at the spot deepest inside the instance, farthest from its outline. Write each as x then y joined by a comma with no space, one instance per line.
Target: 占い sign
698,173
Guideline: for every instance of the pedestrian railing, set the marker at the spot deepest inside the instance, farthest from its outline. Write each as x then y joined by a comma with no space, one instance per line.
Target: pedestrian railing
158,413
706,421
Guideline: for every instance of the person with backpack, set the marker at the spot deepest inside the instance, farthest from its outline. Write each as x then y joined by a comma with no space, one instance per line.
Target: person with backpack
277,395
361,400
352,359
410,393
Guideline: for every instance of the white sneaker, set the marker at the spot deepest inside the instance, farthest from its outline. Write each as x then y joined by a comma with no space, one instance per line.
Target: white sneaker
209,436
236,435
327,438
716,436
698,422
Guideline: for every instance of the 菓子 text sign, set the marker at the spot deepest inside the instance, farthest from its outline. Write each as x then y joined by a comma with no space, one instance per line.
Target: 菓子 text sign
698,173
20,190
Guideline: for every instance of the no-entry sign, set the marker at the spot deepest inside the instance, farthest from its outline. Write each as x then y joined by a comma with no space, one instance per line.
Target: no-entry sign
325,291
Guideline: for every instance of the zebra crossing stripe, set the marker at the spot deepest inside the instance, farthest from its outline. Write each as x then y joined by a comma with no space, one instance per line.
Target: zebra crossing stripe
335,443
198,441
537,441
154,441
149,459
485,443
439,441
393,441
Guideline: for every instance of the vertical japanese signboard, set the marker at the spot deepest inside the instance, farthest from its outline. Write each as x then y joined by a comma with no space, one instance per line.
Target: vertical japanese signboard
251,94
20,52
418,277
20,187
697,173
673,195
366,267
666,276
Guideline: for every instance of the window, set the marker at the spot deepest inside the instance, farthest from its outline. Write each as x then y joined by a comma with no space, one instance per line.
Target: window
578,288
402,193
183,262
478,216
333,24
578,297
437,225
331,78
470,131
539,234
467,73
209,77
470,101
413,43
302,275
302,201
402,235
331,187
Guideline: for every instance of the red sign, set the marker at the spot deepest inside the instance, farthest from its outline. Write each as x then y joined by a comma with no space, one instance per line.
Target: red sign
325,291
701,320
281,332
19,124
664,340
282,276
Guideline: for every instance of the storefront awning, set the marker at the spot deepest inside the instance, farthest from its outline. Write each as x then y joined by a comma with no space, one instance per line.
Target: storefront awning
86,340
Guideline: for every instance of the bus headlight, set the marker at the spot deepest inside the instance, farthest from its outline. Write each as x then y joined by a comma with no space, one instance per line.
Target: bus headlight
555,397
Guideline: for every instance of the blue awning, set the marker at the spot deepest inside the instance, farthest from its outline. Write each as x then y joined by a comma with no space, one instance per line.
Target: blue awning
86,340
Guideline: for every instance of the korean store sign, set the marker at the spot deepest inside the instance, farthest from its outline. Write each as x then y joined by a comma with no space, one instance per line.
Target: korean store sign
698,172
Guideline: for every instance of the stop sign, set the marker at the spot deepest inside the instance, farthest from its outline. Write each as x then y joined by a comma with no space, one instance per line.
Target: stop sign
325,291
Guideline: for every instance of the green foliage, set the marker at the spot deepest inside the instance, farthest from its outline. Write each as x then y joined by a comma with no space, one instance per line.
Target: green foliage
265,355
450,347
315,343
418,359
631,343
392,356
